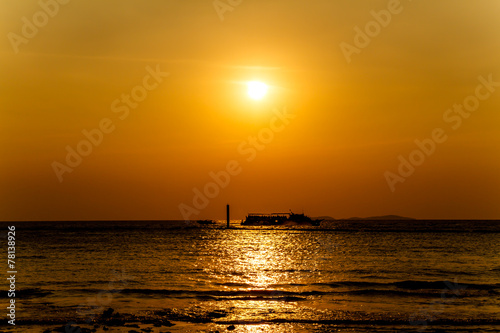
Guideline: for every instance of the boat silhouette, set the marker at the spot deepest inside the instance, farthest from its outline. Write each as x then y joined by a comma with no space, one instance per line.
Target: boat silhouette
276,219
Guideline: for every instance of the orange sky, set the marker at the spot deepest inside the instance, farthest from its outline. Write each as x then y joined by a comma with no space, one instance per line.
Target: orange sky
66,67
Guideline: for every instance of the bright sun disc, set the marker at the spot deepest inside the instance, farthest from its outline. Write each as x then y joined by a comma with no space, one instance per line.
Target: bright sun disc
257,90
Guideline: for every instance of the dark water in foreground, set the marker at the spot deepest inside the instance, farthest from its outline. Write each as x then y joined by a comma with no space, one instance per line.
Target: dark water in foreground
380,276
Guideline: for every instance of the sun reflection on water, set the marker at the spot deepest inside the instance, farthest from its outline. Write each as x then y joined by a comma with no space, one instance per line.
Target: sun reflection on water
260,260
257,269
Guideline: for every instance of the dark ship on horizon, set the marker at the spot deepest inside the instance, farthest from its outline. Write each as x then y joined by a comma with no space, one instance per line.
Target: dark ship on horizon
278,219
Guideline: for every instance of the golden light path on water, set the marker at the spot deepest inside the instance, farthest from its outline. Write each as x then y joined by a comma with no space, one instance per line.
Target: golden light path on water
260,262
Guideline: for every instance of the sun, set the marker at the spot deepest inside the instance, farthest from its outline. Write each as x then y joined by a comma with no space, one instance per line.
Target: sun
257,90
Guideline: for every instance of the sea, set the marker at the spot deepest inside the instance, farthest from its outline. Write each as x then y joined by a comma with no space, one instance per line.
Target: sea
178,276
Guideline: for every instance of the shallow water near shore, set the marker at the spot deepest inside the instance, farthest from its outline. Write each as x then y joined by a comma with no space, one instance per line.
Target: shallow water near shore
345,276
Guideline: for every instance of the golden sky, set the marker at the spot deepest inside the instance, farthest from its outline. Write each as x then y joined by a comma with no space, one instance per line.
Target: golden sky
342,110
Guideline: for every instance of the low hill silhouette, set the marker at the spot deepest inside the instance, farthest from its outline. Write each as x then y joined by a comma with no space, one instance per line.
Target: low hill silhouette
370,218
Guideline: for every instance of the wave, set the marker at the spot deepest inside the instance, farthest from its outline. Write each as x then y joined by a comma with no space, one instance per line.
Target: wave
31,257
274,292
399,289
27,293
414,285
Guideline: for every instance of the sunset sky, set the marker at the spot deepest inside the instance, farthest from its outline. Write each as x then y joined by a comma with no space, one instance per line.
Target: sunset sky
350,114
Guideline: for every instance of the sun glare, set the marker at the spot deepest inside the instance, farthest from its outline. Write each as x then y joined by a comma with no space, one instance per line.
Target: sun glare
257,90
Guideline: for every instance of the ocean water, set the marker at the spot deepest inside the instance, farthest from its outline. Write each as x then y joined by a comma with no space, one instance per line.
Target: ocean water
344,276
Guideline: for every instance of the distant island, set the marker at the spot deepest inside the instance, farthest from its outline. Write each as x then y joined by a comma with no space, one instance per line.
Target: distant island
371,218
